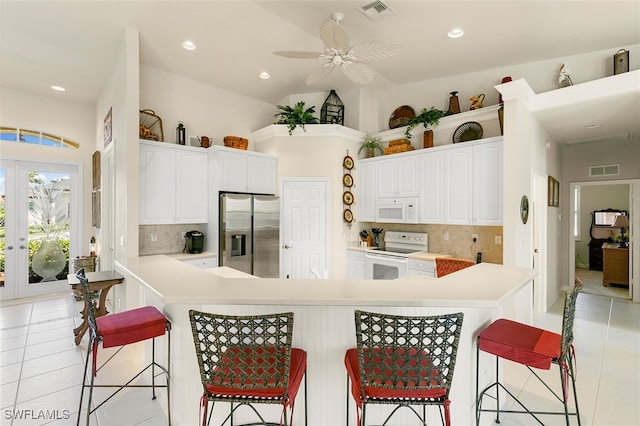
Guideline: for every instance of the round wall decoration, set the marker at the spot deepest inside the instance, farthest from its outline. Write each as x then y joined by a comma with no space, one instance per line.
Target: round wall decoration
347,163
347,215
524,209
347,198
347,180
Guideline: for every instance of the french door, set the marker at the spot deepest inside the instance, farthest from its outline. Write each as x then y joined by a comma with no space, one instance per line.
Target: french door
39,226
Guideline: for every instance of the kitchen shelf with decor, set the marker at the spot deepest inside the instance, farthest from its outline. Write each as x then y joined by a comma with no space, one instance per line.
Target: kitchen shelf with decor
443,133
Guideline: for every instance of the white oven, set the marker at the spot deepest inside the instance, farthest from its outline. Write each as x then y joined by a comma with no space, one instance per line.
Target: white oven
397,210
381,266
392,260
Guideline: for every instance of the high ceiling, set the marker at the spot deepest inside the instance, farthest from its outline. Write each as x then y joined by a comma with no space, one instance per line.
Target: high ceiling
74,43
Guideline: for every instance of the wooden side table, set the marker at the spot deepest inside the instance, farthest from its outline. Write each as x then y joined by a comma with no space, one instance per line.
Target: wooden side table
615,262
98,281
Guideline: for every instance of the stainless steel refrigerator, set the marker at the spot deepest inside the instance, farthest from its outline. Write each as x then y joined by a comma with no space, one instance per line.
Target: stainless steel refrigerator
250,234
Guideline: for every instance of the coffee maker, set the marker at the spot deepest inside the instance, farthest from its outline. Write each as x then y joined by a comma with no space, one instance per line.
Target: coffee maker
194,242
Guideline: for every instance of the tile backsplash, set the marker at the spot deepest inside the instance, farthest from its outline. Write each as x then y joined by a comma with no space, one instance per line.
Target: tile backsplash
459,243
162,239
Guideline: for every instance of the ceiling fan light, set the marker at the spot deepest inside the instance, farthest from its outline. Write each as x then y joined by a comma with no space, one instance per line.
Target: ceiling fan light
455,33
265,75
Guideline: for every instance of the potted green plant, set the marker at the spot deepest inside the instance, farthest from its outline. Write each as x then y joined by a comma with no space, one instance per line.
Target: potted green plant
427,117
371,144
296,115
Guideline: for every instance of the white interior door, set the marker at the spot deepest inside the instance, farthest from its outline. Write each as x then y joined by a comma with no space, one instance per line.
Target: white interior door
304,229
539,218
39,226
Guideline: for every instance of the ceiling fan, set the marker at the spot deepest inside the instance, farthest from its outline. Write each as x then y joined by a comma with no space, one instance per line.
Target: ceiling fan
337,52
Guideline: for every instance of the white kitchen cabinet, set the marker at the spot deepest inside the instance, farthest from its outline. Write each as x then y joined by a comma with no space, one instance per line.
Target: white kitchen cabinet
244,171
366,185
432,186
203,262
356,265
487,183
398,177
173,184
458,169
422,267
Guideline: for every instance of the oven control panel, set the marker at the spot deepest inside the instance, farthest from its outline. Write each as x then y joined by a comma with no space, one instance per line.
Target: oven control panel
417,240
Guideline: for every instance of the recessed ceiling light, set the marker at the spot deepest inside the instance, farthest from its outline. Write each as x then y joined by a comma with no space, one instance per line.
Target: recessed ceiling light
455,33
59,88
592,126
265,75
189,45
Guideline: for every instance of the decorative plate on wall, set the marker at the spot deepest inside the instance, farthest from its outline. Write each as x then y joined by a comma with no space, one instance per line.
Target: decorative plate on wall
401,116
347,215
347,180
347,198
347,163
468,131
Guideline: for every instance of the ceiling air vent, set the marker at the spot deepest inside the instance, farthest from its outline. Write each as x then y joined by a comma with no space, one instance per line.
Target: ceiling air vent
610,170
376,10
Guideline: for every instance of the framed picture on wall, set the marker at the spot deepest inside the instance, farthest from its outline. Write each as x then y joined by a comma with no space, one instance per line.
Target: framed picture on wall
108,129
96,170
553,192
95,209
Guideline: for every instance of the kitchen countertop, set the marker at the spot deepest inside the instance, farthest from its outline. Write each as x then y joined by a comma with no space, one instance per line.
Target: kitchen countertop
482,285
191,256
426,255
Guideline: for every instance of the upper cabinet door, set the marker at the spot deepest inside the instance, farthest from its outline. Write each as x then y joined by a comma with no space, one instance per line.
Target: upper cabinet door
192,187
458,185
232,171
157,185
261,174
487,184
367,195
398,177
432,187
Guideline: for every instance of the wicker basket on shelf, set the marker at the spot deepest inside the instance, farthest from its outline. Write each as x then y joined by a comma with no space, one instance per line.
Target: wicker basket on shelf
150,126
236,142
398,145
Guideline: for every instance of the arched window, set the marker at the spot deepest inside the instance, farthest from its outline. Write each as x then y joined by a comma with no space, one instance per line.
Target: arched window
32,137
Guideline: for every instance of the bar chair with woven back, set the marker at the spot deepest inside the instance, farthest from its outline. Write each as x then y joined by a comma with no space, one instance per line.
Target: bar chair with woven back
405,361
534,348
247,360
121,329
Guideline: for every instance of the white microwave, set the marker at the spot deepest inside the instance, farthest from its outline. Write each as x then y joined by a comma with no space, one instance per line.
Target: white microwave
397,210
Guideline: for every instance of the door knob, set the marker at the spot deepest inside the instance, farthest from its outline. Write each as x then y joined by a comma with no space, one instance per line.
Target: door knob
286,246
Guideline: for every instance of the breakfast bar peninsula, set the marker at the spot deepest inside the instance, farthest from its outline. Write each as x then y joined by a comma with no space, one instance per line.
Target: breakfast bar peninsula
324,324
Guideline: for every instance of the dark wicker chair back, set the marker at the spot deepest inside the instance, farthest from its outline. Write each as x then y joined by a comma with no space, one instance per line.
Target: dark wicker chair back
91,309
243,352
407,353
568,316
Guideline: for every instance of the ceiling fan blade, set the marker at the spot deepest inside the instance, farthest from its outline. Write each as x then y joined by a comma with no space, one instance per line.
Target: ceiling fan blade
358,72
319,73
298,54
373,51
334,36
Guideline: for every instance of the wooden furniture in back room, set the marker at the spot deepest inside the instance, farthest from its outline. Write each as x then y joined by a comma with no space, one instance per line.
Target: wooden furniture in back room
615,262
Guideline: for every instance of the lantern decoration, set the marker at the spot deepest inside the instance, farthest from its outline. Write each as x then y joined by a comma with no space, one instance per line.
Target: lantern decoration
332,111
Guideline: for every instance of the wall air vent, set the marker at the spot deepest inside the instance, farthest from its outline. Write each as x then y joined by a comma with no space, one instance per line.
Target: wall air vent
600,171
376,10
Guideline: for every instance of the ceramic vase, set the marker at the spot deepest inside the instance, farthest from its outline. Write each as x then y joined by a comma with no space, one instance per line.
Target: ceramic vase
49,260
427,139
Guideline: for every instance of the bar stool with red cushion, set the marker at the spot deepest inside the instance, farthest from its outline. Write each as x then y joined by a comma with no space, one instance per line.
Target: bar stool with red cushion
121,329
448,265
248,360
534,348
403,360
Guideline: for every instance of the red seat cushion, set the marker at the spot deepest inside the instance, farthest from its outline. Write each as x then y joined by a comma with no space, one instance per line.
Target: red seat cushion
520,343
297,367
131,326
353,370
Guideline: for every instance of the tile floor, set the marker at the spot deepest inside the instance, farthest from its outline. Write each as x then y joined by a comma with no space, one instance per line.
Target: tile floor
41,367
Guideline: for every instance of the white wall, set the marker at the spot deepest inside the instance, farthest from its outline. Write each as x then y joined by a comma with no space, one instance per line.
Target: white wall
58,117
204,110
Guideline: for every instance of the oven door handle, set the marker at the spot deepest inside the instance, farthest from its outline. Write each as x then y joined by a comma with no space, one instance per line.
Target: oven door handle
397,259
